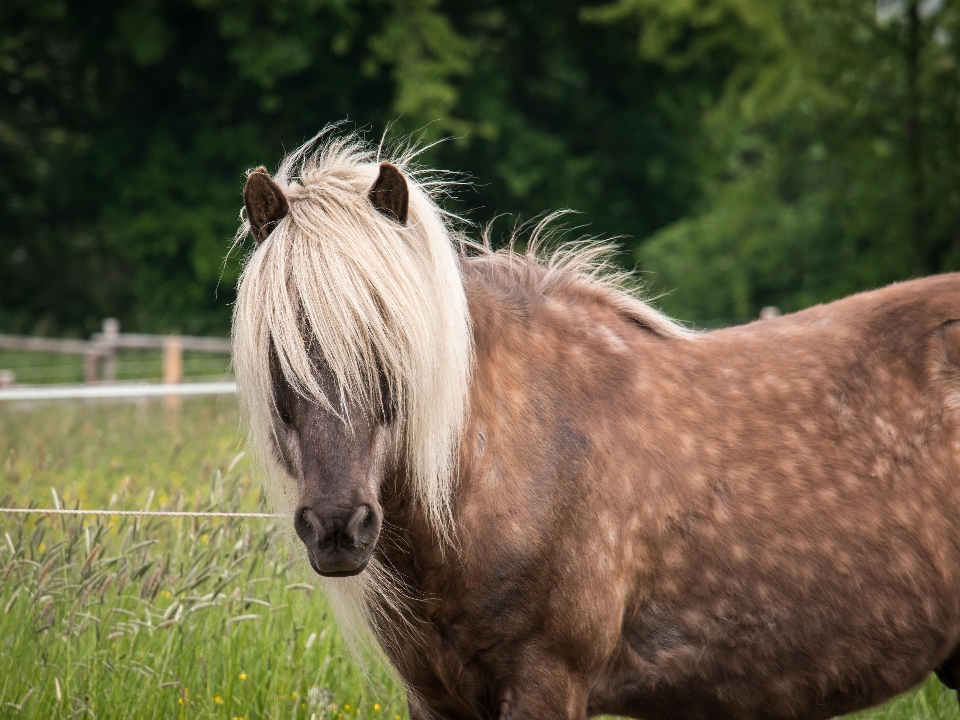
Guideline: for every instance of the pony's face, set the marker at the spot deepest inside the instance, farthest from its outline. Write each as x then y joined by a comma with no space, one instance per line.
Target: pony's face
340,467
354,292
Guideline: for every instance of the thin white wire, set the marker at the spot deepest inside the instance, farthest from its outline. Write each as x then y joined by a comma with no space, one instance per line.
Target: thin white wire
148,513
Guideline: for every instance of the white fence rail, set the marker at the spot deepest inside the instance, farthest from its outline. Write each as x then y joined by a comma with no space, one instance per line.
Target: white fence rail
71,392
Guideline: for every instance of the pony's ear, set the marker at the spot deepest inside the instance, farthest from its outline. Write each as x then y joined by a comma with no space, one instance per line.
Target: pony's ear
389,193
265,202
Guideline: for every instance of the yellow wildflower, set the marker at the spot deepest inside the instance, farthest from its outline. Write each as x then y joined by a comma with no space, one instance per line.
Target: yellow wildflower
346,707
180,700
242,676
376,707
218,700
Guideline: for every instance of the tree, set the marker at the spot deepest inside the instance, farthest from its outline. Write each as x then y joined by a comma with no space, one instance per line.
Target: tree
834,149
748,152
125,130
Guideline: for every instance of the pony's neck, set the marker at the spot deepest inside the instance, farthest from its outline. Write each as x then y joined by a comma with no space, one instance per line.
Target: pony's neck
514,306
416,550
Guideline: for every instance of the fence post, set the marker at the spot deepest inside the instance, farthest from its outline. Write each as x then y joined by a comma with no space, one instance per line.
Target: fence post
172,367
111,332
8,378
90,367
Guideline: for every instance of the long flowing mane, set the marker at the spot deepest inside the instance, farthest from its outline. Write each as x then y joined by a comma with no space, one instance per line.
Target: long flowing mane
336,277
338,280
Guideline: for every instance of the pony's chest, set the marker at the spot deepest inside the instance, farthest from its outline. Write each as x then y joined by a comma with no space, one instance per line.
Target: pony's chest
448,671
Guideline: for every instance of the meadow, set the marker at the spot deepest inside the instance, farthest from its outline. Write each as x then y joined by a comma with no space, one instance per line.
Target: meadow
36,368
190,618
157,618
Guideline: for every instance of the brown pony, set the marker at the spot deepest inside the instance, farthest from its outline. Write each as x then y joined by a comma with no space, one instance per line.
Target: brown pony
546,500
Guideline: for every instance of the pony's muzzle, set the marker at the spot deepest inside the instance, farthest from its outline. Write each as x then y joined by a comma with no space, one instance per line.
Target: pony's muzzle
339,542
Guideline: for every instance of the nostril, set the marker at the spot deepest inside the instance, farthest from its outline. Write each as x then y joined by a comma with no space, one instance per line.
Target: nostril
336,532
306,524
360,527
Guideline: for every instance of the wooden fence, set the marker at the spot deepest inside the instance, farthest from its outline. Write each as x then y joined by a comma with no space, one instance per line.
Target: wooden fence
100,351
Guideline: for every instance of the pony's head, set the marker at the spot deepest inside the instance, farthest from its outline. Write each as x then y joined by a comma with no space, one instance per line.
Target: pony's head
352,345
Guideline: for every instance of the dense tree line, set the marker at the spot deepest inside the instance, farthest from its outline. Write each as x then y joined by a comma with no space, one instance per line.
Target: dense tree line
747,152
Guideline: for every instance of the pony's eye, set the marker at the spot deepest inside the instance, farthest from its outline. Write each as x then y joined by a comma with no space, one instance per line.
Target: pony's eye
386,407
283,406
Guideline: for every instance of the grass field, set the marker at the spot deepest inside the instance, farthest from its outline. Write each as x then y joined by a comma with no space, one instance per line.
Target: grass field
176,619
158,619
35,368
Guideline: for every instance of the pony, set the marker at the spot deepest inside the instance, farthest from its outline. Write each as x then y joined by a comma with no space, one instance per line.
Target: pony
540,497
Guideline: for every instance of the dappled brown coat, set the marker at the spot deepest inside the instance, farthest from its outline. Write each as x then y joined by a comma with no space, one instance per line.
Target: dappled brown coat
756,522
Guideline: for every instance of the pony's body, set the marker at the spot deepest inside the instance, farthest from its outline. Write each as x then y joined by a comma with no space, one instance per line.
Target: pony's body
758,522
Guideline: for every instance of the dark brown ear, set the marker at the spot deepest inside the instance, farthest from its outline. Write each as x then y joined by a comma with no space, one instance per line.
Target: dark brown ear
389,193
265,202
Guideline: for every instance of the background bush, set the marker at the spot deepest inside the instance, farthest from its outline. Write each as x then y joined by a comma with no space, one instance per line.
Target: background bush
749,152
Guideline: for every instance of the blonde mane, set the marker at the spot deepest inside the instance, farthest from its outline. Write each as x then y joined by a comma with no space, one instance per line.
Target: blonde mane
552,264
336,280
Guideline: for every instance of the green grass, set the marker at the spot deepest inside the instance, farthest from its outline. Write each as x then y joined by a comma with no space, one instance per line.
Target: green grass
118,453
36,368
117,618
930,701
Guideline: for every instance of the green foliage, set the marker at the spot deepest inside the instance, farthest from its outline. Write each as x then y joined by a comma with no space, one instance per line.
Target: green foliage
930,701
426,54
126,128
748,152
834,160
